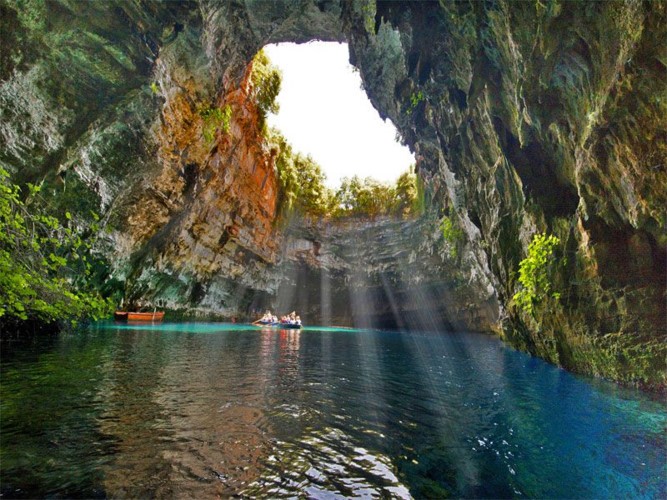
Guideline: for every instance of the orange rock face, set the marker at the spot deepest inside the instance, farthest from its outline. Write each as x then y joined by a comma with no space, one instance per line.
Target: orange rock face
213,203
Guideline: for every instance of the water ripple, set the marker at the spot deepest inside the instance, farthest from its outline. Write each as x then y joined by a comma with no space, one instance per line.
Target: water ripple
209,410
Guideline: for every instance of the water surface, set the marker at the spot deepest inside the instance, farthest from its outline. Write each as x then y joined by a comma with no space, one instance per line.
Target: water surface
200,410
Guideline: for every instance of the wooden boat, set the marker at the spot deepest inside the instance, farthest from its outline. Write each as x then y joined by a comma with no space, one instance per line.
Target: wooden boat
138,316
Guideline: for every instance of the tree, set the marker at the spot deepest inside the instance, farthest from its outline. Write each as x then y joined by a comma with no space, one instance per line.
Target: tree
266,80
367,197
301,180
346,196
406,193
313,195
302,189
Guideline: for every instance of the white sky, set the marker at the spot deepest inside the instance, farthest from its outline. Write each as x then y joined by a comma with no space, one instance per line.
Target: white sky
324,113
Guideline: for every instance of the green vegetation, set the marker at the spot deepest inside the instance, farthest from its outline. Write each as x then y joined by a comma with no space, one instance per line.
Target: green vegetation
266,81
536,272
302,189
367,197
214,119
368,10
452,234
154,88
45,266
301,180
357,197
415,99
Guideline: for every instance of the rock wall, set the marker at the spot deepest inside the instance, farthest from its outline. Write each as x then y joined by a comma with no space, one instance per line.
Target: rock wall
383,274
525,117
548,117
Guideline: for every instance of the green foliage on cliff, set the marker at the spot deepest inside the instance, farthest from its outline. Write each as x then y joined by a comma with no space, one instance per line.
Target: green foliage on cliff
302,189
368,197
266,81
300,180
214,119
536,272
367,9
452,234
45,266
415,99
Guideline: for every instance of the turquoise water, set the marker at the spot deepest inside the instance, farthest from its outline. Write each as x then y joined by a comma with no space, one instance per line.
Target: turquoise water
198,410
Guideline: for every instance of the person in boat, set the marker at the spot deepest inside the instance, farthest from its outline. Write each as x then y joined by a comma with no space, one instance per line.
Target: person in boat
267,318
291,319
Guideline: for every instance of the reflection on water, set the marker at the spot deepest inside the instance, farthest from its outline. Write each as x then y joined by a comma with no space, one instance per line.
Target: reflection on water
207,410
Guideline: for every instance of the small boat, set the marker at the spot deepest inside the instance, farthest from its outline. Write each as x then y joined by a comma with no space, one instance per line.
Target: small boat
291,326
138,316
266,323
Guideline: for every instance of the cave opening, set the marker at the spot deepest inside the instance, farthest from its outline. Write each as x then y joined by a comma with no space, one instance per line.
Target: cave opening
324,112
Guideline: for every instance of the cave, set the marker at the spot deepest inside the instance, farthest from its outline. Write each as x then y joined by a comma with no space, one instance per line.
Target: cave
505,336
511,133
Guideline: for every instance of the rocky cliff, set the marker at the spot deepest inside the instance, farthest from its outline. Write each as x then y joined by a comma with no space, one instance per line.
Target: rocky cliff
526,117
384,274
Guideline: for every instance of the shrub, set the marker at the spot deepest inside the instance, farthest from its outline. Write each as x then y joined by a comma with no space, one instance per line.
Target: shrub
266,80
536,273
415,99
452,234
44,266
214,119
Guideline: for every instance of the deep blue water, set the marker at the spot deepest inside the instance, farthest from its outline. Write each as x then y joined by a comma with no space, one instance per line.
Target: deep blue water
204,410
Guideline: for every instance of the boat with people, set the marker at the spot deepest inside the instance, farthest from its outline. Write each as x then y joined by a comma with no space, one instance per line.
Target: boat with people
290,321
267,320
154,316
266,323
